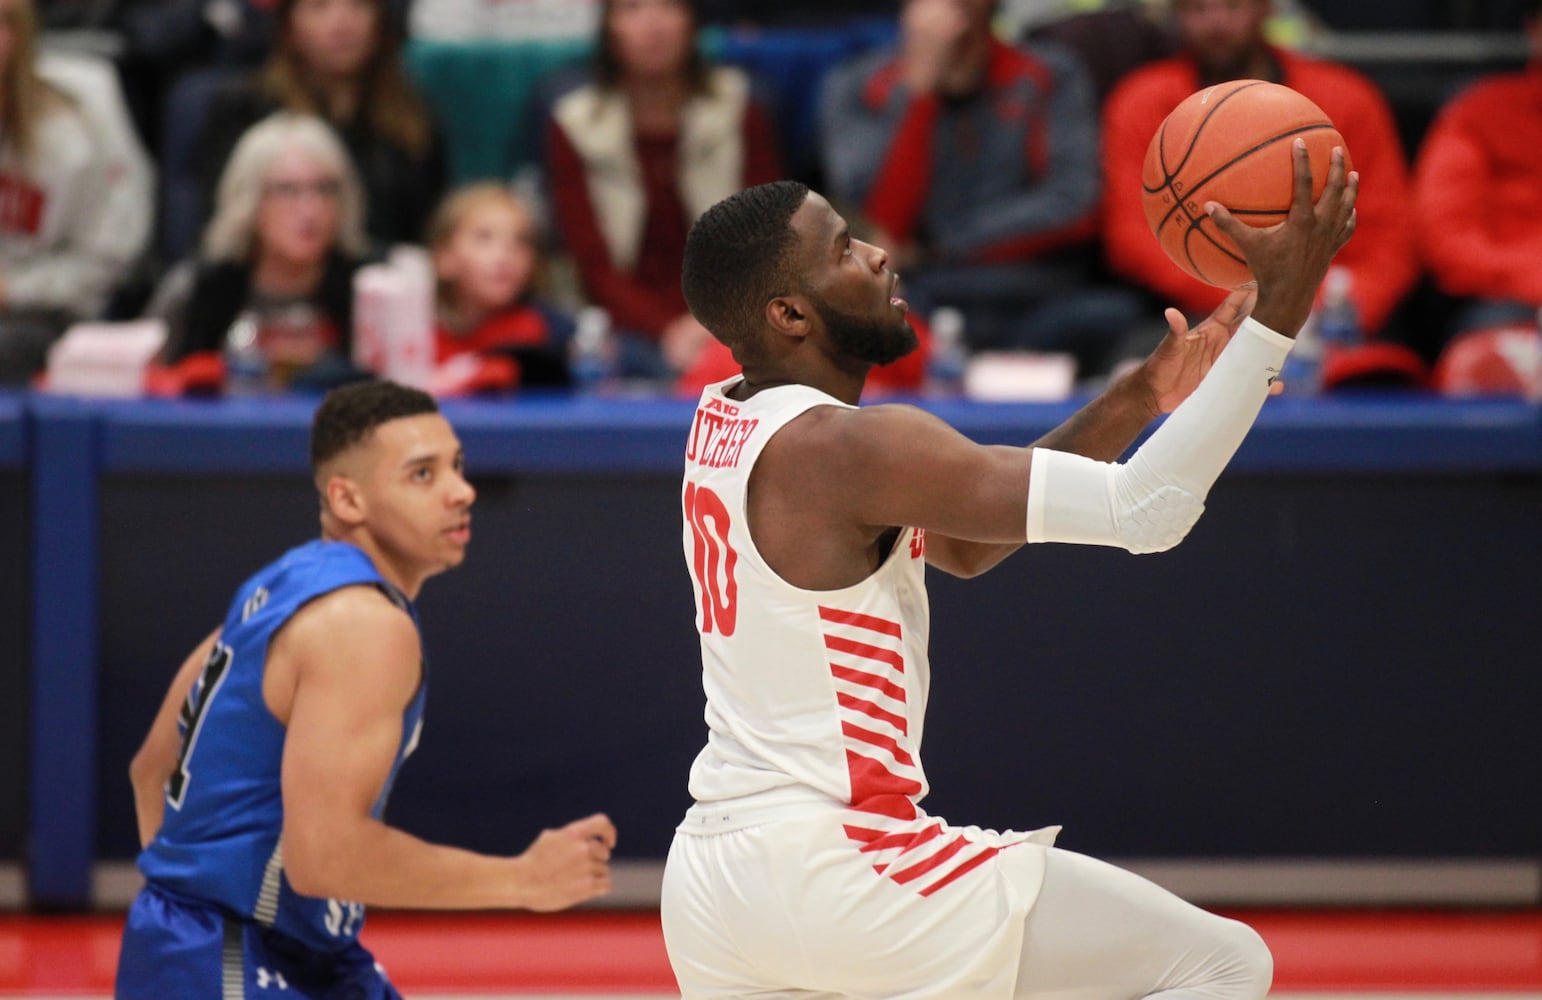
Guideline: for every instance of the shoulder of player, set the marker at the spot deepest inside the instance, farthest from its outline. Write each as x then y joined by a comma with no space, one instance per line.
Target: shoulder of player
352,643
839,437
358,615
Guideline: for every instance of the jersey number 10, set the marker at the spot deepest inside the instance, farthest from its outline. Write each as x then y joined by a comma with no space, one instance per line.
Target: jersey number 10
713,560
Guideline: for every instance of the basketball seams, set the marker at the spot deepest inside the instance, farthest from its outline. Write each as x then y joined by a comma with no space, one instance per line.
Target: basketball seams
1196,225
1178,202
1170,175
1197,229
1199,129
1265,144
1193,136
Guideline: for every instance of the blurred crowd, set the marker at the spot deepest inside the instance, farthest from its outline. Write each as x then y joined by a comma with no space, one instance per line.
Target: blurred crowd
231,168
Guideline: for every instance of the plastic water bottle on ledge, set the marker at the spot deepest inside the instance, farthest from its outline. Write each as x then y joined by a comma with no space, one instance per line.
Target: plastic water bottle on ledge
593,352
1302,372
1338,321
246,366
1334,325
948,355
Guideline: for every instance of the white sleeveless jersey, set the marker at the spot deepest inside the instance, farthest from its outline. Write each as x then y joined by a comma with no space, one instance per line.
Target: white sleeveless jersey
806,690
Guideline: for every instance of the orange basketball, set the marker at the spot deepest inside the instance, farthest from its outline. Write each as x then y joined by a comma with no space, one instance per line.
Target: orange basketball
1229,144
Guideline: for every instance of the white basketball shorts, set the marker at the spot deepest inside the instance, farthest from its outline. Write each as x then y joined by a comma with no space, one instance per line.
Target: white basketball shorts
833,901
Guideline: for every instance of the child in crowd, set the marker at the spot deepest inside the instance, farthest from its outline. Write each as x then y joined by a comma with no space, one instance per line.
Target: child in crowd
492,331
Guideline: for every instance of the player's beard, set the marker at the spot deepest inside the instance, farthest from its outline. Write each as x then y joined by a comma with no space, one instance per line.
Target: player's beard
869,339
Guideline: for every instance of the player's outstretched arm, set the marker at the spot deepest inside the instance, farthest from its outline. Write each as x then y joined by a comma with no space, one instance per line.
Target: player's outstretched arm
909,469
157,756
1106,427
352,658
1289,258
1149,503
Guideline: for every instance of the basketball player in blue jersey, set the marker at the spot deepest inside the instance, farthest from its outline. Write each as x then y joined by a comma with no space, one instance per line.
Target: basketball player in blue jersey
261,785
807,866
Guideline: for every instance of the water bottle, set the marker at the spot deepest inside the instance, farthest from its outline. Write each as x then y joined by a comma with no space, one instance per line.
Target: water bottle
1338,321
1302,371
592,353
948,356
1333,325
246,367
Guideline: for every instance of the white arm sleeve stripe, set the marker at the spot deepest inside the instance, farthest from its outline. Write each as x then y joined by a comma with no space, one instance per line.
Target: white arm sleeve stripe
1149,503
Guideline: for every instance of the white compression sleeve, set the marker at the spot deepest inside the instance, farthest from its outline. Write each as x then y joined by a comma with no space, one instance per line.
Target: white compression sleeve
1150,502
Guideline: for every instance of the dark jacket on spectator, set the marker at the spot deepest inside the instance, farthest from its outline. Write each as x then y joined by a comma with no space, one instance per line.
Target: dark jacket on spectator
400,191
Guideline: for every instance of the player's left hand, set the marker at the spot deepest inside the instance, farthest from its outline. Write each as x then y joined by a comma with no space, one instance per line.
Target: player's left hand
1183,357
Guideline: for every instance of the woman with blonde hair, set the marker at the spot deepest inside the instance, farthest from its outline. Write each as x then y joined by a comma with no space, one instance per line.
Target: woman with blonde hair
340,60
272,285
70,224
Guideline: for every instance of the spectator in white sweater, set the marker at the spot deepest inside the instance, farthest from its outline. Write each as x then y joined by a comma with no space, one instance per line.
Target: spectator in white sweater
75,194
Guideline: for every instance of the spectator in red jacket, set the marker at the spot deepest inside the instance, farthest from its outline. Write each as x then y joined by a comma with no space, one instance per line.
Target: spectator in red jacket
634,153
1223,40
978,163
1478,195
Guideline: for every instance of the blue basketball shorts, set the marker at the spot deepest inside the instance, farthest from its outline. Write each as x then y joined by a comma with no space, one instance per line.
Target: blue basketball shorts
178,949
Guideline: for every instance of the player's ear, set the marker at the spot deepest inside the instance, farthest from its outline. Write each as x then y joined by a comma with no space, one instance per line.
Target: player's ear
344,499
789,315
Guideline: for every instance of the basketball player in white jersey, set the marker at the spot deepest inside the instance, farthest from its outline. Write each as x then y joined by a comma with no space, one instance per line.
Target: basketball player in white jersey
806,866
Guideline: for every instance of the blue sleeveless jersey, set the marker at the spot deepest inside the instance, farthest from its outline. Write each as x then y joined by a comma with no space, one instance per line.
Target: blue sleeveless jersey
219,840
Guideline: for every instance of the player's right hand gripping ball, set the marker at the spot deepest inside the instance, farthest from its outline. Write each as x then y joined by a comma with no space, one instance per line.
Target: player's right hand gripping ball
1230,144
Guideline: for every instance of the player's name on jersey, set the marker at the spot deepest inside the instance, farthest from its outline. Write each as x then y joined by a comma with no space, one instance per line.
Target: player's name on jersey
718,435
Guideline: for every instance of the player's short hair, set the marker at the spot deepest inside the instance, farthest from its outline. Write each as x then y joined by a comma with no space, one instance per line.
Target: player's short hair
350,413
739,256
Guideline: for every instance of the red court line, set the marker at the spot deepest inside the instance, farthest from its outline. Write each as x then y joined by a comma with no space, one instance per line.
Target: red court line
1403,950
621,952
551,953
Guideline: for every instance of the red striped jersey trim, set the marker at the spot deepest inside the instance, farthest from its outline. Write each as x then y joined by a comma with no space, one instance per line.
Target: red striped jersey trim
892,806
916,851
921,853
870,622
879,740
905,841
962,870
868,708
875,726
866,651
877,683
870,780
867,660
915,871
